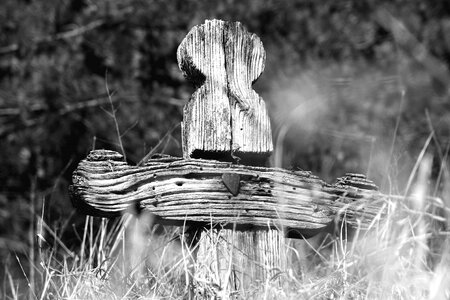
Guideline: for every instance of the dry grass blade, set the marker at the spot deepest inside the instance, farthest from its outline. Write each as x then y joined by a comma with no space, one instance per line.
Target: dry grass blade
113,116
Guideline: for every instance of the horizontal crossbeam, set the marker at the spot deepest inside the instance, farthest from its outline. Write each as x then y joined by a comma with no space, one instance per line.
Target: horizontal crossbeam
201,191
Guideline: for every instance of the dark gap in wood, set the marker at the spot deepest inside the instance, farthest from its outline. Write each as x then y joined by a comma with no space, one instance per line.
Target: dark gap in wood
137,208
253,159
190,71
294,233
245,158
125,191
213,155
194,176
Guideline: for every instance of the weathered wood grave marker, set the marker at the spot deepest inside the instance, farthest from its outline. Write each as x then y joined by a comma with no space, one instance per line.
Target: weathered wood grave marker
221,181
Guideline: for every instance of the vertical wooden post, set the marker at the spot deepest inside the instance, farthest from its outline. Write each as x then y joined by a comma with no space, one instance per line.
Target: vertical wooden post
226,119
224,116
236,262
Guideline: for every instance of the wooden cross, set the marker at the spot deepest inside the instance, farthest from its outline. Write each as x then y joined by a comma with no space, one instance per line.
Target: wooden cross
244,209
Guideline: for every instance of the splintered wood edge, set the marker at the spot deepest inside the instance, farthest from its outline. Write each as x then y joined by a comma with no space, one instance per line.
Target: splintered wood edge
179,191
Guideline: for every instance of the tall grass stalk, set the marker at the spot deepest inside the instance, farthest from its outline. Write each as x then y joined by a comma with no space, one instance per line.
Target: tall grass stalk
112,114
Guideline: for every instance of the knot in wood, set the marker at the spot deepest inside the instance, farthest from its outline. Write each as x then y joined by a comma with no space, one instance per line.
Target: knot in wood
357,181
223,60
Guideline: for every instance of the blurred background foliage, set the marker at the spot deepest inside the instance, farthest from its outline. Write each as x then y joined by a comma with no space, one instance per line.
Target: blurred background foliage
351,86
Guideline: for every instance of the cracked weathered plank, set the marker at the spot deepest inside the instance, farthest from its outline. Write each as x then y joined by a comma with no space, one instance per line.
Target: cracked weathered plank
192,190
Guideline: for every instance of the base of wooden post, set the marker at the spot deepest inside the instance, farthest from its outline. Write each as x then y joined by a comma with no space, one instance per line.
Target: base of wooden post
238,263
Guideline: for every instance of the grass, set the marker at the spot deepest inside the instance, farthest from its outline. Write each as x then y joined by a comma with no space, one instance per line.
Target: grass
404,257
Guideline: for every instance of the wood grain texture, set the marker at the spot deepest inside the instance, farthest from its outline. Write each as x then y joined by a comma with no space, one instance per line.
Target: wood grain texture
192,190
234,261
225,114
